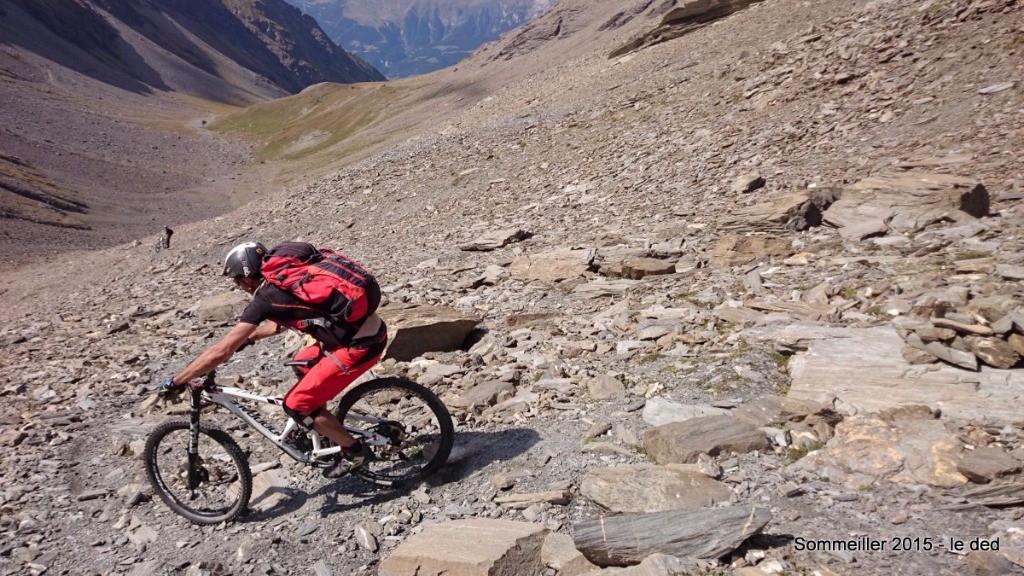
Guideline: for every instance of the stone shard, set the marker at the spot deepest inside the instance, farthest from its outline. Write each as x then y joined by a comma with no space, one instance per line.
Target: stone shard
471,547
495,239
683,442
777,409
639,268
984,464
1016,341
706,533
789,211
560,554
682,19
746,183
647,488
995,352
419,329
952,355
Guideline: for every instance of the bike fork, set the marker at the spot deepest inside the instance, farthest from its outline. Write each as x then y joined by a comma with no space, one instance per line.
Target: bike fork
193,443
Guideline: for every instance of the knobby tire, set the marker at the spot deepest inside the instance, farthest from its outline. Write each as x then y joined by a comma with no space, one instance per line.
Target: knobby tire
227,470
428,444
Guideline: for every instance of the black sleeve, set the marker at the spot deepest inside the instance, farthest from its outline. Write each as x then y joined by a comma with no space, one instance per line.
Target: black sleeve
257,311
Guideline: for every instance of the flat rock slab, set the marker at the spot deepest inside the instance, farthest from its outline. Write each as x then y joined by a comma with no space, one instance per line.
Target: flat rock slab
906,201
987,463
638,268
737,250
420,329
223,307
552,266
659,411
777,409
647,488
869,449
707,533
682,19
683,442
495,239
864,369
472,547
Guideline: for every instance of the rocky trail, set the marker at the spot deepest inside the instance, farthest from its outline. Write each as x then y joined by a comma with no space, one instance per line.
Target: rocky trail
730,298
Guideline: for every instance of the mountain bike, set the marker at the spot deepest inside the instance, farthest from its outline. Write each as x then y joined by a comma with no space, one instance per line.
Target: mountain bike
201,473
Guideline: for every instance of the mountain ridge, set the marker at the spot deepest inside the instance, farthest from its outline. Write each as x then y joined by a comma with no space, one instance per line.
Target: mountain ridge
418,36
669,267
106,102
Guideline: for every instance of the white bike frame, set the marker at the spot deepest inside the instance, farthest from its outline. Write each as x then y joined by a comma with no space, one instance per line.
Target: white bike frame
225,395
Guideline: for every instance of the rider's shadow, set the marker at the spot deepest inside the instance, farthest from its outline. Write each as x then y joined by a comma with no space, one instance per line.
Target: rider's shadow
473,450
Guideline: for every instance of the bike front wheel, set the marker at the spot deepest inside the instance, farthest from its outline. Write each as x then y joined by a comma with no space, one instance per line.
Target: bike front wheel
219,485
406,425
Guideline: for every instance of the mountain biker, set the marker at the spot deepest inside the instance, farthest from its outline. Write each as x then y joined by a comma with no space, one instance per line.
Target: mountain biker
352,350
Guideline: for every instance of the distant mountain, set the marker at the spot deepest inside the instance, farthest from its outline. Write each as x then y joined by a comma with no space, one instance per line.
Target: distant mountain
173,44
103,104
406,37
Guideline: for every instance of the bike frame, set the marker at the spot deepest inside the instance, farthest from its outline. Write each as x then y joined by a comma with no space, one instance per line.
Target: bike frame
208,391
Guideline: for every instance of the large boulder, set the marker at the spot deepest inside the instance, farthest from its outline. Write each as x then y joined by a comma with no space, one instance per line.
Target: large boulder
683,442
647,488
904,446
627,539
419,329
472,547
905,201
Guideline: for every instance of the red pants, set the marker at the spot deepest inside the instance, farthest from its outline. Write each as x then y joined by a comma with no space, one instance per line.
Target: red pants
321,382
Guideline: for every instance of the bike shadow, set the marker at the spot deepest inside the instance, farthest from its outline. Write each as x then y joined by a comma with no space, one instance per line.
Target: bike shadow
472,451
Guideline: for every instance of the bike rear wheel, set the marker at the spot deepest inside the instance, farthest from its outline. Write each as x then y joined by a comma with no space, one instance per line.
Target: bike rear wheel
222,476
411,431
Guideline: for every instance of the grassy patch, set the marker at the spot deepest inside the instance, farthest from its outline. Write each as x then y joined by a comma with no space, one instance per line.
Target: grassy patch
325,116
796,453
781,360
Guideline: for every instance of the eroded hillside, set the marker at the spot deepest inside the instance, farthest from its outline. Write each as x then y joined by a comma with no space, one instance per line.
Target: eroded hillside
105,105
696,265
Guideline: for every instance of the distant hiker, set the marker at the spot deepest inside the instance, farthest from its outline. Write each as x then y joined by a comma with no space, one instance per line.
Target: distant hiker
324,294
164,242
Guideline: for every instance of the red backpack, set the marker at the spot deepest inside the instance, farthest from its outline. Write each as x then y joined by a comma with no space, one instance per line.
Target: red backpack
325,279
